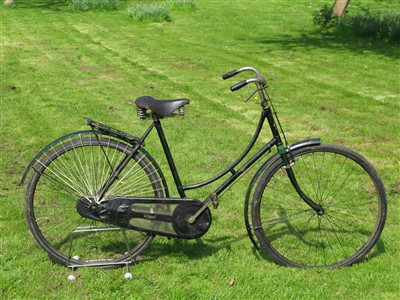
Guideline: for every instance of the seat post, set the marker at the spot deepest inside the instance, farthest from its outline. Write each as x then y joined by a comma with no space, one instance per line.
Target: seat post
169,157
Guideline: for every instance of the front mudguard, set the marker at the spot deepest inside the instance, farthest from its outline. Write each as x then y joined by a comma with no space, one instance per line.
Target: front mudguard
86,133
260,171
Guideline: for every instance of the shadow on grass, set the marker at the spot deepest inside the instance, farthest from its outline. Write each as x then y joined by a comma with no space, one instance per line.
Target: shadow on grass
377,250
201,248
41,3
194,249
334,42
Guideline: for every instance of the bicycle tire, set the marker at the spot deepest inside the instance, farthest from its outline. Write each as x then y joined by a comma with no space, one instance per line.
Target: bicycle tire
351,193
79,167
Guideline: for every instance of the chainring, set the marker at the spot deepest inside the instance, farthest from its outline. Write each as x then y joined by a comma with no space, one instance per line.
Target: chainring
180,220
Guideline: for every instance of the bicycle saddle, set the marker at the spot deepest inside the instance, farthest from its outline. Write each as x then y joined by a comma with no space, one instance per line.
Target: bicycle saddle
161,108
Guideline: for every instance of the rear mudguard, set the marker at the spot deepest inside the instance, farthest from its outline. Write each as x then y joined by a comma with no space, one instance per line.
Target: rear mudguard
260,171
129,141
50,146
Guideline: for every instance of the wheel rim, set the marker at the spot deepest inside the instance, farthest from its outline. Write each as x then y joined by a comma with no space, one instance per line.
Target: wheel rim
80,167
295,235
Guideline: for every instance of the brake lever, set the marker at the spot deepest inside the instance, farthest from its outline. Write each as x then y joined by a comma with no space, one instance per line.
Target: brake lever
251,95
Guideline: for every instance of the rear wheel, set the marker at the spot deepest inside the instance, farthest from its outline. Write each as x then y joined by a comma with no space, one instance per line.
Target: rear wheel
78,168
344,184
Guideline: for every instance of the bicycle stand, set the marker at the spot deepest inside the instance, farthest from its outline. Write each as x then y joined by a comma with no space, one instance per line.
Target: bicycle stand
104,262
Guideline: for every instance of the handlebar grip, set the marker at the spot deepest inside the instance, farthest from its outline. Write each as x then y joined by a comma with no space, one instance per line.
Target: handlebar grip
238,85
229,74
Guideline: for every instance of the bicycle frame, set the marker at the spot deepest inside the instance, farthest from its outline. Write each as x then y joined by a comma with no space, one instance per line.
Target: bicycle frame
107,180
235,174
284,152
275,141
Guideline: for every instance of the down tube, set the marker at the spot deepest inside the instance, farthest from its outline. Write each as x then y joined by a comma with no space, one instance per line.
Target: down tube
244,168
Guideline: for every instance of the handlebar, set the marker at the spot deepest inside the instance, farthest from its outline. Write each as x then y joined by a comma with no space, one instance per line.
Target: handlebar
238,85
258,80
229,74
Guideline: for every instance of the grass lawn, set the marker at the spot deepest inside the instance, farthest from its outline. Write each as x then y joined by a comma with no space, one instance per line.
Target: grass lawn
58,65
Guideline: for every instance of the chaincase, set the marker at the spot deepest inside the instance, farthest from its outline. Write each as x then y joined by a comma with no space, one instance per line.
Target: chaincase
160,216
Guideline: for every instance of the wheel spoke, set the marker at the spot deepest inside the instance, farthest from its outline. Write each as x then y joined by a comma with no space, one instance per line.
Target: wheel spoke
351,194
78,168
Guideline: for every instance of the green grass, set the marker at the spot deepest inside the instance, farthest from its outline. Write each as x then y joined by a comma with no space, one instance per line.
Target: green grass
85,5
151,12
159,12
377,23
58,65
385,26
181,4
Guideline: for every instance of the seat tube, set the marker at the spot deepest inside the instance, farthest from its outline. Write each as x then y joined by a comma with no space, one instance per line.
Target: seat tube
169,157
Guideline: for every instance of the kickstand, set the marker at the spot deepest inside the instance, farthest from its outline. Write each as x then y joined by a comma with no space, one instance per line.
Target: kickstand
128,275
71,277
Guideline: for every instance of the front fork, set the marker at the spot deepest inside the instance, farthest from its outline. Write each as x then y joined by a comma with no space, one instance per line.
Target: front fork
288,162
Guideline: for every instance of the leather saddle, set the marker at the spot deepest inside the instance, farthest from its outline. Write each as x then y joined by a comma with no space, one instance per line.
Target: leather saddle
161,108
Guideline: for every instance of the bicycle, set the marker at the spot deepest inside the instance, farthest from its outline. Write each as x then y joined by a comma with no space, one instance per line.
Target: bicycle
98,198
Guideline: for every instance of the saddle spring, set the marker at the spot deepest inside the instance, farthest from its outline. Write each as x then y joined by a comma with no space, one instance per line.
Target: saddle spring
181,112
142,113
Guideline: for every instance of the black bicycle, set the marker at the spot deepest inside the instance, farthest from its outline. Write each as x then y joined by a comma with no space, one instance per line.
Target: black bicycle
98,198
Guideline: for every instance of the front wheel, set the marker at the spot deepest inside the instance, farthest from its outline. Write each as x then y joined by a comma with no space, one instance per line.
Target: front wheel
78,168
351,194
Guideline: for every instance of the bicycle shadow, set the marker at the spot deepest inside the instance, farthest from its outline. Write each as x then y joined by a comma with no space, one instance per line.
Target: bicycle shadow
192,249
206,247
378,249
202,248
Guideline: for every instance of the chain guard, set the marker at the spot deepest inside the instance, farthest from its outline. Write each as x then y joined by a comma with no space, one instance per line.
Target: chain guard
161,216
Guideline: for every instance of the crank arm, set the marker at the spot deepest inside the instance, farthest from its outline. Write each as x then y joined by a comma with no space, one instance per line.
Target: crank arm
193,218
